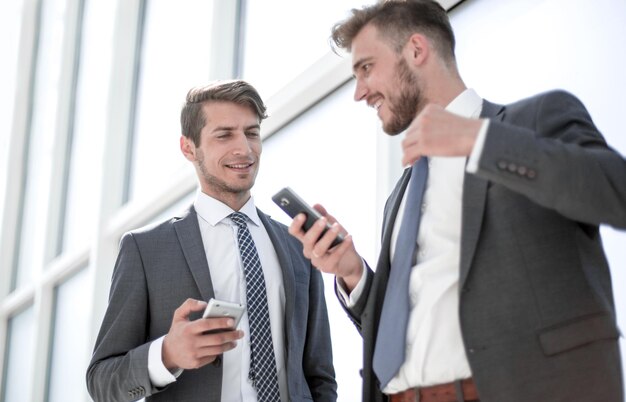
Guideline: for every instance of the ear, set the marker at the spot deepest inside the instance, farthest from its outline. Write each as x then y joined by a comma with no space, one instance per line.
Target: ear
417,49
188,148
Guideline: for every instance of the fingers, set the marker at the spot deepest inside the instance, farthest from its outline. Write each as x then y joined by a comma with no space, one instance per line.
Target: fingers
191,344
188,307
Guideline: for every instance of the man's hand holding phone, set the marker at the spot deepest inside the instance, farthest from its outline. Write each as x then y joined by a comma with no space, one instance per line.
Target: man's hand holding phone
320,245
193,344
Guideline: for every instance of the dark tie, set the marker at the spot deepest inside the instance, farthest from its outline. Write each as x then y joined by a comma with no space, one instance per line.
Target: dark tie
262,360
391,339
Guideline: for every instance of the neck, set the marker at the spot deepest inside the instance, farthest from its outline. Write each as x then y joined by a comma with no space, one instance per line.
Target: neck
235,200
444,85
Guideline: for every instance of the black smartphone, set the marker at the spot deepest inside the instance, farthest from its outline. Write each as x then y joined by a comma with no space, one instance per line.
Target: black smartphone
292,204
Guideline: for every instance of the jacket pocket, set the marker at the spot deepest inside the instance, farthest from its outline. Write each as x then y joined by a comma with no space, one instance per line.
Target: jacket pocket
574,334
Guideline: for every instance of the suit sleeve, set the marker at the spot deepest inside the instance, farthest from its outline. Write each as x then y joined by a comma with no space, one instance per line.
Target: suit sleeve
119,367
318,358
559,161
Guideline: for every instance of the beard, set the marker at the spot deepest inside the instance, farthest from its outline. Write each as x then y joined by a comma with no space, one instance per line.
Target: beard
218,185
404,106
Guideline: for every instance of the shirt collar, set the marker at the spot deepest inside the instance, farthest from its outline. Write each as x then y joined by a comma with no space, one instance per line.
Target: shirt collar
214,211
467,104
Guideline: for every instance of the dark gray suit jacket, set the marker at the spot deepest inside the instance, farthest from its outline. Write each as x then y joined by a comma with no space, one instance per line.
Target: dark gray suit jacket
157,269
536,304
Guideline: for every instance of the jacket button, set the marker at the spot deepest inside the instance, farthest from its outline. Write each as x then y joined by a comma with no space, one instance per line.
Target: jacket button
512,167
471,351
531,174
218,361
502,165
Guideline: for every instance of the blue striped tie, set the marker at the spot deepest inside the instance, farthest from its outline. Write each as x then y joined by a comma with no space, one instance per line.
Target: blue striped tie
391,339
262,360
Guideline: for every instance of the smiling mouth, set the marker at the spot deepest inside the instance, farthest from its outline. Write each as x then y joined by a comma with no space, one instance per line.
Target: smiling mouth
240,166
375,103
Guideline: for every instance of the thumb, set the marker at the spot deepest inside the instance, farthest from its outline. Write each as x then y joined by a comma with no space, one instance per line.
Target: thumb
188,307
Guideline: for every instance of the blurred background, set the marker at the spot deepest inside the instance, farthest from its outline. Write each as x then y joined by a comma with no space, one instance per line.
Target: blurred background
90,96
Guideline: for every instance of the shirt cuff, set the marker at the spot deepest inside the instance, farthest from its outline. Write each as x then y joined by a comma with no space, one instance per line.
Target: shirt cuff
477,151
351,299
160,376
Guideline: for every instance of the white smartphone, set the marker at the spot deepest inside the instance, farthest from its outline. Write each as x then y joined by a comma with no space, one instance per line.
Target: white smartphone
219,308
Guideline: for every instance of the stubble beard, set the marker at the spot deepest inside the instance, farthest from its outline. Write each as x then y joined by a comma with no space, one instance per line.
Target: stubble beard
218,185
405,106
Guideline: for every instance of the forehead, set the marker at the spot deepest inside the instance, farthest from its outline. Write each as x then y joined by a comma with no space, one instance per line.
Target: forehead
224,112
368,44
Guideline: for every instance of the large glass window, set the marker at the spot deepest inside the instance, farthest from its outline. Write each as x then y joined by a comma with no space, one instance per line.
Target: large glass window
10,12
328,156
174,58
17,384
69,347
284,37
33,242
89,125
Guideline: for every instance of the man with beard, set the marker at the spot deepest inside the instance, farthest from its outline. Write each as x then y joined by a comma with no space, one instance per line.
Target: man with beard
492,283
151,343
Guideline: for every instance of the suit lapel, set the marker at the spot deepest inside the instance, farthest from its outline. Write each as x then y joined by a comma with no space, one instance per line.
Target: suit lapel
190,239
474,195
389,219
279,240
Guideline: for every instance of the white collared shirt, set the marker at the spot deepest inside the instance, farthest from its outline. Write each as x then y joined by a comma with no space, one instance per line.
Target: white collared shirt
434,345
219,237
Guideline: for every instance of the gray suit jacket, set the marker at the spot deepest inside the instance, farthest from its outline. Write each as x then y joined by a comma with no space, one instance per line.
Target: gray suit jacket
536,304
157,269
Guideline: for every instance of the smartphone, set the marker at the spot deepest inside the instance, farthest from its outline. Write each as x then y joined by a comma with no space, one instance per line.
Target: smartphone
292,204
219,308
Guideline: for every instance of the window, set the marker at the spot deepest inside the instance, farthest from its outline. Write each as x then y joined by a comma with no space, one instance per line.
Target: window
174,58
282,38
69,343
19,360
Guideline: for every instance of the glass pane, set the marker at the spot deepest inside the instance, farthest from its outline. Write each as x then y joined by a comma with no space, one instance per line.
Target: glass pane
89,124
10,23
346,134
41,140
18,365
284,37
69,347
175,57
175,209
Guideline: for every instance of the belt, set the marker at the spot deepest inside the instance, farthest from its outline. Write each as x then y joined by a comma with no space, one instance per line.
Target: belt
448,392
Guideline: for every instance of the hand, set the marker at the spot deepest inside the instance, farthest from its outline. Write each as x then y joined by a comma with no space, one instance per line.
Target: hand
187,345
437,132
341,260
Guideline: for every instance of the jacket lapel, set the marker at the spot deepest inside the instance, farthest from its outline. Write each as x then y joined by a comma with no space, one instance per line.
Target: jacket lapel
474,195
190,239
389,218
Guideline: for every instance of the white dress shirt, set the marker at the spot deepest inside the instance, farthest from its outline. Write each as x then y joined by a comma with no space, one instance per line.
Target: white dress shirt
219,236
434,345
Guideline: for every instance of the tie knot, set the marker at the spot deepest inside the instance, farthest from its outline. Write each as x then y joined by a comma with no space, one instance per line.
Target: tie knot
239,218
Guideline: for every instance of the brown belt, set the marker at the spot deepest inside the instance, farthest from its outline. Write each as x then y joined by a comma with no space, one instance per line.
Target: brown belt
438,393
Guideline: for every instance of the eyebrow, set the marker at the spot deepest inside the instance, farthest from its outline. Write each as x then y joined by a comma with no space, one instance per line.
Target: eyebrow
231,128
359,63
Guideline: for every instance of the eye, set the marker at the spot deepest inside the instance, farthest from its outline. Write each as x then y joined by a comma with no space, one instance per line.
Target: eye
253,134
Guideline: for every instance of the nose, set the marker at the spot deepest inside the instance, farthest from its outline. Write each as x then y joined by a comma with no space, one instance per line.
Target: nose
241,144
360,92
